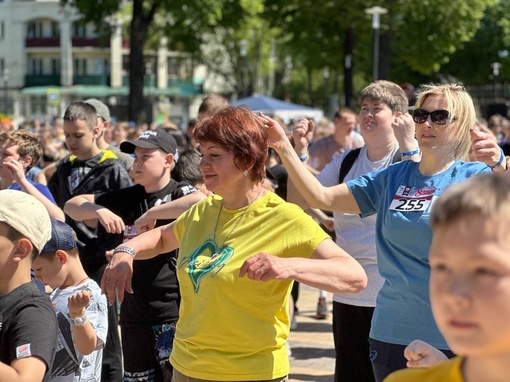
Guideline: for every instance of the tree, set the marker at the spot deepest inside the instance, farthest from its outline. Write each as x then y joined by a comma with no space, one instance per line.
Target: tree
183,22
471,64
417,37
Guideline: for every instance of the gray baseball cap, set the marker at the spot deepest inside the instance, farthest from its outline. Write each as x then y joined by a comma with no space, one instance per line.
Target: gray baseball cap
101,109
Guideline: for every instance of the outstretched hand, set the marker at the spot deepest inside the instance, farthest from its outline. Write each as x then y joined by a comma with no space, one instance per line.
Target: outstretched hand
78,302
117,277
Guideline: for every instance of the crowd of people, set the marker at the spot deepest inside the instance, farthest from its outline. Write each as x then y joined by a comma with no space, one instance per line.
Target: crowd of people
195,242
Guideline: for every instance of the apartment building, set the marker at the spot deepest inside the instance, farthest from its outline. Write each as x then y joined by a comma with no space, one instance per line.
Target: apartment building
49,58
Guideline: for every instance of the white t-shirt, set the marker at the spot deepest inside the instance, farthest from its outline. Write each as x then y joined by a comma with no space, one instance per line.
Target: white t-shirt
70,365
353,234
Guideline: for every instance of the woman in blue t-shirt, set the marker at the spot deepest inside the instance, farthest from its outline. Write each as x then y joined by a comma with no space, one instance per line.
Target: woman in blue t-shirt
401,195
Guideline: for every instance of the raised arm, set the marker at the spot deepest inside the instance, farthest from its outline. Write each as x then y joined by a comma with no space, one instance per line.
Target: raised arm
85,337
19,176
337,198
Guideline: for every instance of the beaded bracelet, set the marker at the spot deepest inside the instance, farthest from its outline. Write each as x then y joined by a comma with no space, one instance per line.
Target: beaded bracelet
125,249
302,159
409,153
501,158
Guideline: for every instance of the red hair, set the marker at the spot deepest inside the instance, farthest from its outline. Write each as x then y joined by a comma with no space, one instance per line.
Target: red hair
237,130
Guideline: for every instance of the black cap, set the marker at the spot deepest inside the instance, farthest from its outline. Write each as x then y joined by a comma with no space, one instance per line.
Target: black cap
152,139
62,238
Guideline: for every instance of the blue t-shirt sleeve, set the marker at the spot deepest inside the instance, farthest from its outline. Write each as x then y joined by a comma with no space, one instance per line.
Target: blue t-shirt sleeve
45,191
368,190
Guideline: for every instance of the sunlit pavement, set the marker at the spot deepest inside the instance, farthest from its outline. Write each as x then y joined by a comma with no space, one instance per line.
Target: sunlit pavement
313,354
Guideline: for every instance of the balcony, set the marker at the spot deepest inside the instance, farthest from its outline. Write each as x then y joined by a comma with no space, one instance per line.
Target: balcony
92,80
42,80
42,42
94,42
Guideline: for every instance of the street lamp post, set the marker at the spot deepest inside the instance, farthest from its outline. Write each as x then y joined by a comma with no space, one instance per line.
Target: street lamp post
376,12
5,78
243,52
496,66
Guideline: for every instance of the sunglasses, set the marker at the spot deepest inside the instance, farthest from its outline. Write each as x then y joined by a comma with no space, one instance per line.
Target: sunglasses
439,117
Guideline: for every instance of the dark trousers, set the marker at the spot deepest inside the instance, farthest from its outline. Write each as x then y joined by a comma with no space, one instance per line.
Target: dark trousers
387,358
112,353
351,328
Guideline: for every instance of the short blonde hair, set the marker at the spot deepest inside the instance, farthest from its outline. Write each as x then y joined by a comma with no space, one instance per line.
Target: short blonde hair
460,105
486,195
386,92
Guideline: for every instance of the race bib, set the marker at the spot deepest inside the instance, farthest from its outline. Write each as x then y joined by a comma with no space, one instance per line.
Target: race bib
411,199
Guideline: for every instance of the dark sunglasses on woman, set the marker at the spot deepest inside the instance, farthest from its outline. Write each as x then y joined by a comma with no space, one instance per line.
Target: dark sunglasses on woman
439,117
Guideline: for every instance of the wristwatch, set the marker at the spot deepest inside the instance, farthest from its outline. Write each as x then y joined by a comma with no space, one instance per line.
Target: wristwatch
78,321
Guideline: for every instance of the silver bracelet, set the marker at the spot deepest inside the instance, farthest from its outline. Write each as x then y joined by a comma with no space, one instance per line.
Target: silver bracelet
125,249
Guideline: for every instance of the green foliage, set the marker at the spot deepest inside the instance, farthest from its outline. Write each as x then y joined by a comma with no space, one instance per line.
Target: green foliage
473,63
426,33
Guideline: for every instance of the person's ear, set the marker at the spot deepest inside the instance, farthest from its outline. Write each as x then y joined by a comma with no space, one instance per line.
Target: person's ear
169,159
22,249
62,257
26,161
96,131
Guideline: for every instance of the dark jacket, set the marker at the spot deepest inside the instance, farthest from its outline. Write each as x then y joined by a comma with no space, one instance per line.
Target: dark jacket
107,175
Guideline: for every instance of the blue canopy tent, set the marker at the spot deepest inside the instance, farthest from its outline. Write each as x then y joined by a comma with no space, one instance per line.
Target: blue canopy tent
275,107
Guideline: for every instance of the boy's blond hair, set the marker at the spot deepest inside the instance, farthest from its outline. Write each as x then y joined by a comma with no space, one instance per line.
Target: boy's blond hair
485,195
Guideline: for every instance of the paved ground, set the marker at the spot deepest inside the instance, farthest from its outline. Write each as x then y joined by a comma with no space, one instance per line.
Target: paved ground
313,353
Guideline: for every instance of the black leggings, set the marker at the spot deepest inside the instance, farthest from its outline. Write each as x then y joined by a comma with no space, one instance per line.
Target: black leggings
351,327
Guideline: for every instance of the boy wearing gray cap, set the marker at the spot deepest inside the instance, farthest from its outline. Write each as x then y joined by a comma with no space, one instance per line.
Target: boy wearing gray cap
81,308
28,326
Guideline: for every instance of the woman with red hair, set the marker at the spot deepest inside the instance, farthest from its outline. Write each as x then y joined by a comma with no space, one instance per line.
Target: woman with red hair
240,251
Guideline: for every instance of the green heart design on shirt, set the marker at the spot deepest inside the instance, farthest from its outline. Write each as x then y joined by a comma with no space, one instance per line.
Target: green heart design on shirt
215,262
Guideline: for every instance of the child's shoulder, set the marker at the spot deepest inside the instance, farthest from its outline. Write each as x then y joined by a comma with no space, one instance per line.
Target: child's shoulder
448,371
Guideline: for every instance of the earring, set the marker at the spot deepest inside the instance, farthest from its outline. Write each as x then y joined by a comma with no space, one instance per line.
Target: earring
245,172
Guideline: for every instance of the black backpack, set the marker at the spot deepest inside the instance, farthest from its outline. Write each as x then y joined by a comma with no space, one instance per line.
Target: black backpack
349,160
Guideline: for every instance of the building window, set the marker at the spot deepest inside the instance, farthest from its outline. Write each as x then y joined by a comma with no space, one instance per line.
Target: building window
36,66
55,29
55,67
2,65
34,29
2,30
79,29
80,67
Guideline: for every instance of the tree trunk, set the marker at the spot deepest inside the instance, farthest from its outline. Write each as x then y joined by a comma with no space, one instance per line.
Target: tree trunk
139,26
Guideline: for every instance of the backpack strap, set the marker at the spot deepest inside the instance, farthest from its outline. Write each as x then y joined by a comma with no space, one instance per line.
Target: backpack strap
347,163
351,157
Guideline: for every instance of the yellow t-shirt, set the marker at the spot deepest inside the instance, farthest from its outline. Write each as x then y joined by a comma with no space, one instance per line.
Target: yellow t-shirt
448,371
232,328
